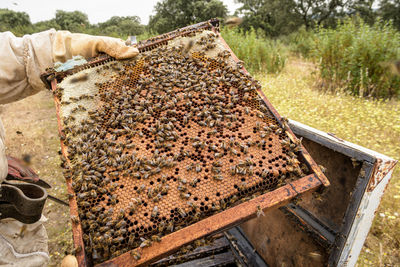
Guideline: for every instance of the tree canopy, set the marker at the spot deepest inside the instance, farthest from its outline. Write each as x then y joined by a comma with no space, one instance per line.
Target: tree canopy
281,17
10,19
274,17
72,21
121,26
172,14
390,10
271,17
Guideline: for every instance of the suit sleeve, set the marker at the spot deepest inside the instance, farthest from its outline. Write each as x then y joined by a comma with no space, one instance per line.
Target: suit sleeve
22,61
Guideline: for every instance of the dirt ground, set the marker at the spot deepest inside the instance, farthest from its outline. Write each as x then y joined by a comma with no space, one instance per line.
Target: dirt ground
31,128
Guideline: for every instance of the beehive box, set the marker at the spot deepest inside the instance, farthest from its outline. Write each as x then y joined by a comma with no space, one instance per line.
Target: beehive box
173,145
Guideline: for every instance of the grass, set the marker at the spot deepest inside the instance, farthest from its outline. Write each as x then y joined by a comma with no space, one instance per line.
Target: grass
31,128
356,57
372,124
259,54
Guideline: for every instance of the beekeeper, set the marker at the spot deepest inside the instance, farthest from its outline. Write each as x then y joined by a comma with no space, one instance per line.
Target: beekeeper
21,63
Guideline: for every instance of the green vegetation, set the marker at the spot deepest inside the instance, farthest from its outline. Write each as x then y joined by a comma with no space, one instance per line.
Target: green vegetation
75,21
282,17
259,54
173,14
300,42
354,57
19,23
12,19
390,10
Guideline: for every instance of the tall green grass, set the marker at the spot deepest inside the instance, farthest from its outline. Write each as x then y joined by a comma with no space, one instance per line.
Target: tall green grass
301,42
258,53
355,57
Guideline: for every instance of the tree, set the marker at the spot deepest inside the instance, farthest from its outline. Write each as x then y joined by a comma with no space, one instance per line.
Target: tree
390,10
45,25
280,17
121,26
316,12
172,14
364,9
74,21
10,19
274,17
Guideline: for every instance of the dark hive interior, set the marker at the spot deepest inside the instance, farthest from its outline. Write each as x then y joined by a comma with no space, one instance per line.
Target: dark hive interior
167,139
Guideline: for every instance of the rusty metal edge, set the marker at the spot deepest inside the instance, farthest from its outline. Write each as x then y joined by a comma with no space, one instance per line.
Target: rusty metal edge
218,222
381,169
73,206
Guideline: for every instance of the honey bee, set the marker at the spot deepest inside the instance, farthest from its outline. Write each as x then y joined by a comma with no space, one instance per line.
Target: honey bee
184,196
323,169
194,182
155,212
155,238
77,250
198,168
157,198
233,170
182,212
182,188
74,219
150,192
141,188
138,201
222,204
121,214
218,155
218,177
242,186
233,199
118,239
216,207
183,181
260,212
136,254
234,152
84,203
145,243
161,227
192,205
354,162
264,174
170,226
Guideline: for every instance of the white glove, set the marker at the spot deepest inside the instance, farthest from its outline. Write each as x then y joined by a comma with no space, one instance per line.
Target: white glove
66,45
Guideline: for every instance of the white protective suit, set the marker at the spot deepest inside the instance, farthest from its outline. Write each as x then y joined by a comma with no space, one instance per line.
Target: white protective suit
22,61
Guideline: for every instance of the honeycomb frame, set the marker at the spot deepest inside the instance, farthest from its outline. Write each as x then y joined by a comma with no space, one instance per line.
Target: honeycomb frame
315,178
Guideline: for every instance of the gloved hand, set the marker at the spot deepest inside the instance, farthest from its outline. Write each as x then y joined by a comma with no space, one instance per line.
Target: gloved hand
69,261
66,45
19,170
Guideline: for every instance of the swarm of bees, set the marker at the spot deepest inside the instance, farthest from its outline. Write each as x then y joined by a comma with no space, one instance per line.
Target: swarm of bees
175,137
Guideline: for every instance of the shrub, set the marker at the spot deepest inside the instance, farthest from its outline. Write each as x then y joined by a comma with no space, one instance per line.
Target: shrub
354,57
258,53
300,42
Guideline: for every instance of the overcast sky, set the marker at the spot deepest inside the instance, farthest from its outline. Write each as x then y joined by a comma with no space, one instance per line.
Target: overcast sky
97,11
